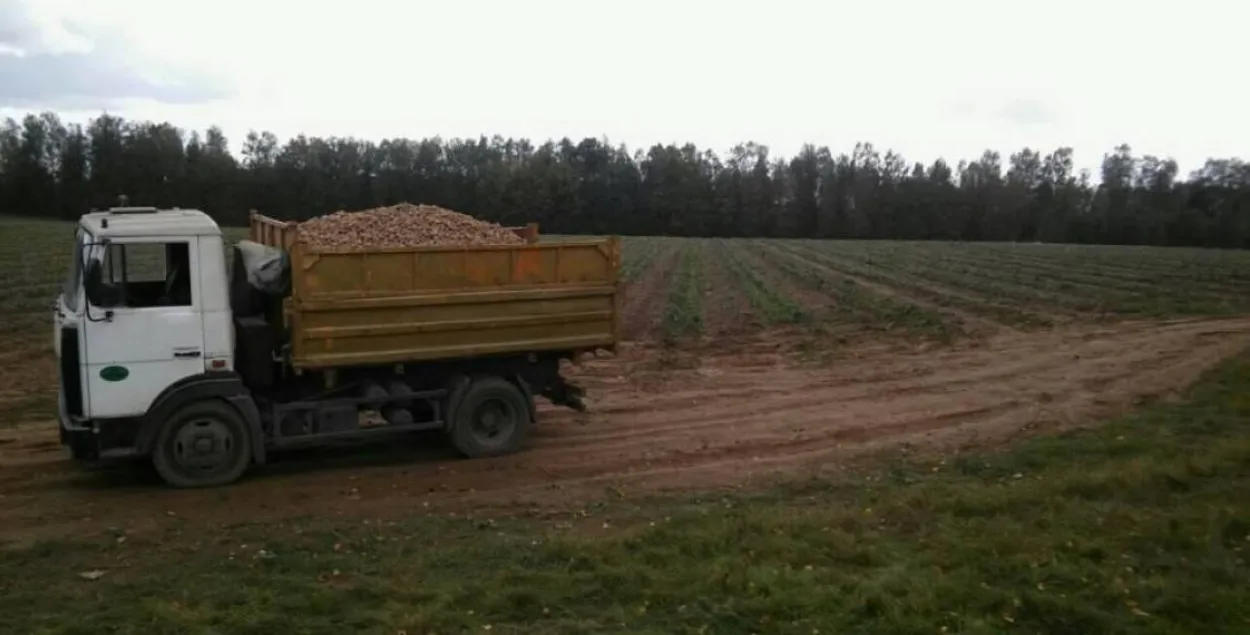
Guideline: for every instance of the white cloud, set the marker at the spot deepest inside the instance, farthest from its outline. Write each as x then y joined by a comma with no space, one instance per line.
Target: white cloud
28,28
51,58
927,79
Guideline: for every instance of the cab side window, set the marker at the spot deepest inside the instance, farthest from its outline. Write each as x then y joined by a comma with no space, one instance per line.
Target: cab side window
141,275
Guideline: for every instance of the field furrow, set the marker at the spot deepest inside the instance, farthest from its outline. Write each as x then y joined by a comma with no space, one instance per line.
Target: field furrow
647,294
926,278
941,283
637,256
770,304
715,296
874,305
727,308
1117,293
683,313
1167,292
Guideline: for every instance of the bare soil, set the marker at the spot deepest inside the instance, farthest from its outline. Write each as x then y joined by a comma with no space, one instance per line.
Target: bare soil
726,309
736,419
646,297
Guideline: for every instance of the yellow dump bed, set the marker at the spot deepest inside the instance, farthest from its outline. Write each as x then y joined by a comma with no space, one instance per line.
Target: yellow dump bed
396,305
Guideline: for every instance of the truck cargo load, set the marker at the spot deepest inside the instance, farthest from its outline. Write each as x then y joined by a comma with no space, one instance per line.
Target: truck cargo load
396,304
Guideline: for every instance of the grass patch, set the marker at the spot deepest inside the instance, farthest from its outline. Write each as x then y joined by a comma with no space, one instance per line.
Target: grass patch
1138,526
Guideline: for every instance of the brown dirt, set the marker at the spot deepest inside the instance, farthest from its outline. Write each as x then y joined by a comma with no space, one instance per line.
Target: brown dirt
647,295
30,378
728,423
726,308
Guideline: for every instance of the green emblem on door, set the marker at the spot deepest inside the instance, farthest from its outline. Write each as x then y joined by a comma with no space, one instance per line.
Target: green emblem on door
114,373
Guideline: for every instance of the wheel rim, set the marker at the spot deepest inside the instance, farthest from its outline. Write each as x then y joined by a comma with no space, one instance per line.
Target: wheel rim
494,422
203,446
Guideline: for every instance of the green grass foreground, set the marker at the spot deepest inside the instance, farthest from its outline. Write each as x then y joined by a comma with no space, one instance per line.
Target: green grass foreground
1138,526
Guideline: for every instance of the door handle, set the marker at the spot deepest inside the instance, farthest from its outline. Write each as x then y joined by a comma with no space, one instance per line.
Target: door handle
186,354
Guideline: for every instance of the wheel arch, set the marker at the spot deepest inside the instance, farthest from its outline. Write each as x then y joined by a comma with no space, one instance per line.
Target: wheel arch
524,387
224,385
459,384
463,389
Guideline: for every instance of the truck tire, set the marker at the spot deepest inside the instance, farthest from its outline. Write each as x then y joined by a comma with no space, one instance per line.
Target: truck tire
204,444
492,418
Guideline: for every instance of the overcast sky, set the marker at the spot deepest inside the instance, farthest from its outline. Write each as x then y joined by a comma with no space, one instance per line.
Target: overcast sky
926,78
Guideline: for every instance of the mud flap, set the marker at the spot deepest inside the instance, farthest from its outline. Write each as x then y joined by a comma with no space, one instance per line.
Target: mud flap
564,393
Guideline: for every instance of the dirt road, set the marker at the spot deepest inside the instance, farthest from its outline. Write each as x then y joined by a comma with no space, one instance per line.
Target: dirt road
734,418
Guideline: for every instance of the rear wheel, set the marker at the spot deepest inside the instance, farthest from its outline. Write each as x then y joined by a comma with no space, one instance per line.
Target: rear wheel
491,419
204,444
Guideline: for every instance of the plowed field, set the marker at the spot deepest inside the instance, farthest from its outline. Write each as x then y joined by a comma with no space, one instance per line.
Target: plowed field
746,360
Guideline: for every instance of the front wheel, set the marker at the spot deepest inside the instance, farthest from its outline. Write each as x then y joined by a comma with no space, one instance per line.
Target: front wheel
491,419
204,444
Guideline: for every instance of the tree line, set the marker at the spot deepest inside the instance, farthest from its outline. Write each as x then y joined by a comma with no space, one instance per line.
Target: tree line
53,169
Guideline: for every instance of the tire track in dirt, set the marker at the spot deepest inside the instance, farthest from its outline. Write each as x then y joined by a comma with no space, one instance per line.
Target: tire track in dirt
727,423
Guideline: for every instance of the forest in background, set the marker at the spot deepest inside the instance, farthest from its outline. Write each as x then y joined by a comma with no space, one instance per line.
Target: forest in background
53,169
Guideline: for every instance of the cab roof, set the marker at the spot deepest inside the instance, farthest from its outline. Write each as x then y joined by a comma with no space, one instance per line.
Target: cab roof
149,221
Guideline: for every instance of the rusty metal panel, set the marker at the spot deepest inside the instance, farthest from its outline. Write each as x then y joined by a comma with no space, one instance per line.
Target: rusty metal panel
457,325
271,232
394,305
390,271
529,232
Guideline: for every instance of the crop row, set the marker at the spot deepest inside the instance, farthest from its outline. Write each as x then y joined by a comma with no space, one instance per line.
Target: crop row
1024,263
771,303
1038,285
637,256
919,285
683,315
848,302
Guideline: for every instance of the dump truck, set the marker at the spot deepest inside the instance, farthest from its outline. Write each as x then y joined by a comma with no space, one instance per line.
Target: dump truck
203,358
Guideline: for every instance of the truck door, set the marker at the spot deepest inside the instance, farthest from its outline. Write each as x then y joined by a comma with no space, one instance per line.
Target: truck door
67,332
143,326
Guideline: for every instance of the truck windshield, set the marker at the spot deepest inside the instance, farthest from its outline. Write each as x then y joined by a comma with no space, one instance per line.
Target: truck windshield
70,291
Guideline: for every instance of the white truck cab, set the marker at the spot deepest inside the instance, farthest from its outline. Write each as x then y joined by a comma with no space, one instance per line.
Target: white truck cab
145,310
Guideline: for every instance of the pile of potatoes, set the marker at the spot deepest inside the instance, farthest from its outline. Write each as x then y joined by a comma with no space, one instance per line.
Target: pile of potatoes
402,225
